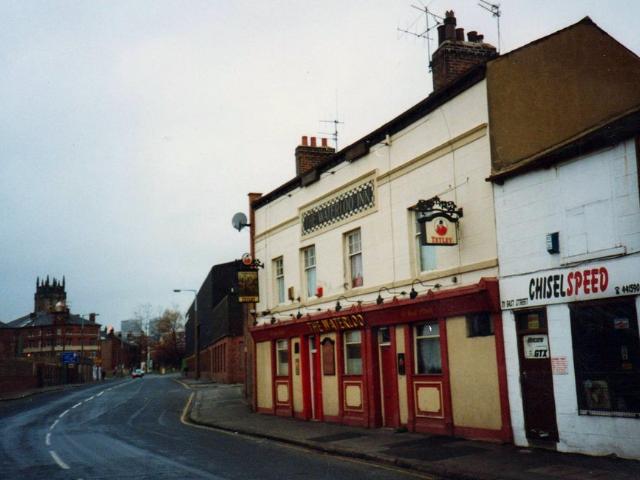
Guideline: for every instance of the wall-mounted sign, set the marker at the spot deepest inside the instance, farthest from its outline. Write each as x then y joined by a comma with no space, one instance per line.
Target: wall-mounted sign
535,346
248,286
344,205
585,282
337,323
438,221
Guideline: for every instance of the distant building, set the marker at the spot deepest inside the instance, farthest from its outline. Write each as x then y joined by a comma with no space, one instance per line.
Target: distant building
220,316
51,330
131,328
118,355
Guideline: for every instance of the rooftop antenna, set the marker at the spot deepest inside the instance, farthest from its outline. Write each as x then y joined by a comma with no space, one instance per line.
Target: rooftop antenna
335,122
429,18
493,9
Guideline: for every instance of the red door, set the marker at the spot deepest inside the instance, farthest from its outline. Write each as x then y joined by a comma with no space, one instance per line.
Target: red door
535,376
389,390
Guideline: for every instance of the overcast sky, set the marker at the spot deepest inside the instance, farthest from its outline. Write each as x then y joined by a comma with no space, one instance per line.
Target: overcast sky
132,131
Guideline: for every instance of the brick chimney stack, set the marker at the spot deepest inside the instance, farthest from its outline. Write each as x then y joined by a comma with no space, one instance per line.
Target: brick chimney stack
309,155
454,55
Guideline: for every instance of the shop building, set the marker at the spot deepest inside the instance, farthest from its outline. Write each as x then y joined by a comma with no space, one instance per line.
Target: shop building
565,120
360,323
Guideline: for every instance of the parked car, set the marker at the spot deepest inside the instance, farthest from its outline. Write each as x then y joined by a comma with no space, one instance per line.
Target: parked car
137,373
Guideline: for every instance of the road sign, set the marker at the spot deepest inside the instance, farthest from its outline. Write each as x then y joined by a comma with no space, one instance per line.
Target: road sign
69,357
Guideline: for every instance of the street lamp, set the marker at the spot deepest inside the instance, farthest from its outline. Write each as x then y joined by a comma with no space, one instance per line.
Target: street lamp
196,327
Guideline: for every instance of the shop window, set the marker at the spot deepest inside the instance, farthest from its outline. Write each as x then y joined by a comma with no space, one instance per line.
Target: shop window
479,325
353,353
282,354
425,254
353,245
384,336
309,262
606,355
427,346
278,273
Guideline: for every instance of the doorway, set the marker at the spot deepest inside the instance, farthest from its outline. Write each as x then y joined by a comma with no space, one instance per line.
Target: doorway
536,380
388,379
315,377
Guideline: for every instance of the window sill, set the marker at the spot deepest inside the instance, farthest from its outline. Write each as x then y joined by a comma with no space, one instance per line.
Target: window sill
604,413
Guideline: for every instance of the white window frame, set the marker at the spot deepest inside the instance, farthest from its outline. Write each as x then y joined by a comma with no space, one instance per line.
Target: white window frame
278,279
353,250
308,269
430,249
282,368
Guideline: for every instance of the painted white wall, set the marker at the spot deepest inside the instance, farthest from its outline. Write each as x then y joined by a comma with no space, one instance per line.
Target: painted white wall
593,202
388,242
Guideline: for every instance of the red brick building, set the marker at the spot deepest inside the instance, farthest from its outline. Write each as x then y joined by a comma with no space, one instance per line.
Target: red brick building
118,356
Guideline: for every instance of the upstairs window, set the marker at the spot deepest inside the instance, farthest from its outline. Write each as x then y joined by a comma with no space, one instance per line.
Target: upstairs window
309,262
354,258
278,273
425,254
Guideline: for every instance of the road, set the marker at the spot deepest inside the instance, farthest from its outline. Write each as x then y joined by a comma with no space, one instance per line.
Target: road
132,429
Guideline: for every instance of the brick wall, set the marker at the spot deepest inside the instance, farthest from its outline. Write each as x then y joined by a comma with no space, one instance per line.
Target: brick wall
221,362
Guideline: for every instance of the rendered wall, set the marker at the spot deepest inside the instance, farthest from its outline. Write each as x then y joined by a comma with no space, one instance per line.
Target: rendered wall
403,402
296,375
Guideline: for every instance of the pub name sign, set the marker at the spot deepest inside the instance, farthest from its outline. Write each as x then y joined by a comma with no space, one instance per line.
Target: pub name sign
438,221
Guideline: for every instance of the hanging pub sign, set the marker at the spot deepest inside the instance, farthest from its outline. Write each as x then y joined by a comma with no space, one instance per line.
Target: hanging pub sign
248,280
438,221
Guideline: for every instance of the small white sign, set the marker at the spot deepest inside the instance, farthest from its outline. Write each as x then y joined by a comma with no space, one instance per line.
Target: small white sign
559,366
536,346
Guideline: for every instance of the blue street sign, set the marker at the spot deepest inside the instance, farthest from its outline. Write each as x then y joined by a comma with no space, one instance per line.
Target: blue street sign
69,357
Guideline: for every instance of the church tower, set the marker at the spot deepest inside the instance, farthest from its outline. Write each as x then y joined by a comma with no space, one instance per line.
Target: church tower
48,294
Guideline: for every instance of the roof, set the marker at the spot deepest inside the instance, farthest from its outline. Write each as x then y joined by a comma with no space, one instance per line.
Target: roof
43,319
563,94
360,148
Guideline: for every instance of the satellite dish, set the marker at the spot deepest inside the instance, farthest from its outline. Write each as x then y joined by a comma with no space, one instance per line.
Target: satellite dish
239,221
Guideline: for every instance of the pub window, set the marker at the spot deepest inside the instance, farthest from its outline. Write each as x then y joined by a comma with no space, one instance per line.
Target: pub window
328,357
353,353
425,254
479,325
427,345
309,262
353,245
282,354
606,356
278,276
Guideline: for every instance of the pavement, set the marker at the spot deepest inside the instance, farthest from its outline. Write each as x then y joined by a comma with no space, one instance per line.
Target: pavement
223,407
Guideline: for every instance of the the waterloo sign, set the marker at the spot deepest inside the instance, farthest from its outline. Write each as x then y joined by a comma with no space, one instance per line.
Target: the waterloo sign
585,282
356,199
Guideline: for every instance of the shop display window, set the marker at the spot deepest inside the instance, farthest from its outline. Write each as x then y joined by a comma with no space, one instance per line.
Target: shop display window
353,352
606,354
282,354
427,347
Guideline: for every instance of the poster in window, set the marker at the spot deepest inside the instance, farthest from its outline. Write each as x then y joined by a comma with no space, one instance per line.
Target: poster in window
248,286
328,357
597,394
536,346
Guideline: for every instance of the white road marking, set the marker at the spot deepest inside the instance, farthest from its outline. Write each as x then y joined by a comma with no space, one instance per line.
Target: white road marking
63,413
58,460
48,439
77,405
90,398
100,393
53,425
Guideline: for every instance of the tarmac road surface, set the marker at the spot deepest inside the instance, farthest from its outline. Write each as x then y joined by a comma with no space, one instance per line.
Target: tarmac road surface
133,429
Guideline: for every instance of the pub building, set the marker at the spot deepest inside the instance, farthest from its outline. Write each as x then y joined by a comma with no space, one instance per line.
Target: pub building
568,227
379,302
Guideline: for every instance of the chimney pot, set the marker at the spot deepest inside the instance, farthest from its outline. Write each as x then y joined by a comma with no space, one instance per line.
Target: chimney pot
440,34
459,34
472,36
304,141
313,141
324,142
480,38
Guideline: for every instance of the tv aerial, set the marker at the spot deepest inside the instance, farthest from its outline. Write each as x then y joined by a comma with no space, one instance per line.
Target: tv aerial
239,221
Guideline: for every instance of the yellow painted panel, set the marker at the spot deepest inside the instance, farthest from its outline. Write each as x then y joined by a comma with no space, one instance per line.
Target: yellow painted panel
263,375
474,377
428,399
282,393
330,384
297,377
402,379
353,396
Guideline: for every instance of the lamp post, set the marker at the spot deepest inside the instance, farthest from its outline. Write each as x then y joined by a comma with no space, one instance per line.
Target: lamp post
196,327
